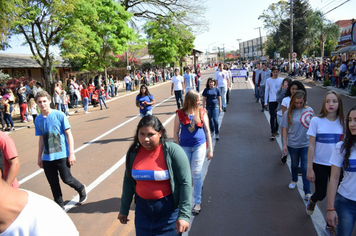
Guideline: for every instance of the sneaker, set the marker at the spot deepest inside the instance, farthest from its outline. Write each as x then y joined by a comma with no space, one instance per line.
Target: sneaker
87,112
224,109
310,207
212,134
217,136
83,195
272,137
262,109
284,159
330,230
307,196
292,185
276,134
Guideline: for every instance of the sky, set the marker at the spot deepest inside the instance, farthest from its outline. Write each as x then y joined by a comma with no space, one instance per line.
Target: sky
230,20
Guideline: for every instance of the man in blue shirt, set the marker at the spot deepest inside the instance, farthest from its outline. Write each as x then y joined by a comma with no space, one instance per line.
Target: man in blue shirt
56,148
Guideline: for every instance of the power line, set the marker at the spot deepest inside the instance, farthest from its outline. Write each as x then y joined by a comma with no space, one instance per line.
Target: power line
321,8
337,7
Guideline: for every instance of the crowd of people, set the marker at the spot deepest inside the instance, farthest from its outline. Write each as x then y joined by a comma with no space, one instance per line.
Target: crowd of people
321,144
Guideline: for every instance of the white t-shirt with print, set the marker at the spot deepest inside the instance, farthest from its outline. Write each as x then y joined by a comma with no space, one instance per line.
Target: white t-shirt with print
221,78
347,187
327,133
178,82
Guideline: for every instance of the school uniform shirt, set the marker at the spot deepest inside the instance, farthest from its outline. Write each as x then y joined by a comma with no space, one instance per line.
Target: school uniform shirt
52,127
177,82
150,171
272,86
347,186
297,133
327,133
221,78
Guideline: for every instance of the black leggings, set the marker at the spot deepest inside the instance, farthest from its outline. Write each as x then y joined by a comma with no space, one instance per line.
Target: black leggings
322,176
273,116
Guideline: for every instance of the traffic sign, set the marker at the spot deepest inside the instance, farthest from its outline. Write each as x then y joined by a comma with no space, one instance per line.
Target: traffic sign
294,54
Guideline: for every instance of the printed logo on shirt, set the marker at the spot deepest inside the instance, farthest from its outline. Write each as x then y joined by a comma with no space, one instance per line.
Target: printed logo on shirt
328,138
352,166
305,118
155,175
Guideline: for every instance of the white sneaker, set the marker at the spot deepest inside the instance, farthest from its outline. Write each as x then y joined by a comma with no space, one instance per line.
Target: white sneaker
217,136
87,112
292,185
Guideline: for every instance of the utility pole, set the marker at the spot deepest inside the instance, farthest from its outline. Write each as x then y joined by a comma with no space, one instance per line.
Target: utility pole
224,51
239,46
259,28
291,36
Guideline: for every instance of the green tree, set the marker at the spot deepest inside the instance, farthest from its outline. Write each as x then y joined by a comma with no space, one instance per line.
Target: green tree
43,24
277,21
107,36
6,7
187,12
322,29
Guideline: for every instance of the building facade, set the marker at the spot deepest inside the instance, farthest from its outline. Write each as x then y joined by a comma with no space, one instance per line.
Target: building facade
252,49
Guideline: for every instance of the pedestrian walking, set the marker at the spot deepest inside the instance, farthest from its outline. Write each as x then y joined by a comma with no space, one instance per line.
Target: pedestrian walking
158,175
212,103
273,84
56,148
101,96
281,95
32,109
341,206
21,93
7,103
295,124
261,85
127,80
189,80
192,133
325,130
21,214
144,101
198,79
10,160
222,79
255,77
84,93
178,87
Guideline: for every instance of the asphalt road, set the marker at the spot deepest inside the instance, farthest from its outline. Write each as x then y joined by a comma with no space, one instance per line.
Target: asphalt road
245,190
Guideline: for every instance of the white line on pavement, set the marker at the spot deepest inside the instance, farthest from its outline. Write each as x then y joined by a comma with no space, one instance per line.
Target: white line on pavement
317,218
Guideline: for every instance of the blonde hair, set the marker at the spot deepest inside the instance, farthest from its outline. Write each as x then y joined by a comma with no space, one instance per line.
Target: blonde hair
31,103
299,94
190,104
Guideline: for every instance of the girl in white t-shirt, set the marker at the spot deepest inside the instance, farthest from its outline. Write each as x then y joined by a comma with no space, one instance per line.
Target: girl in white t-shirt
325,130
343,216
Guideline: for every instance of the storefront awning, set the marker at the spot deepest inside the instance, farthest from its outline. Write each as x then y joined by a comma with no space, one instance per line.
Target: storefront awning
351,48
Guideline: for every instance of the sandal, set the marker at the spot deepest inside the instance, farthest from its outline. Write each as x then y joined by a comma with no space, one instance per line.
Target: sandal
195,211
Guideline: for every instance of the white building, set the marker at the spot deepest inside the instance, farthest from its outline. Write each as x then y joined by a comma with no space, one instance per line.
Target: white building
251,49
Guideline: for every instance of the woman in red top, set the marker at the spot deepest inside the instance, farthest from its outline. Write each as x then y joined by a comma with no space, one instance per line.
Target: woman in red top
84,93
91,89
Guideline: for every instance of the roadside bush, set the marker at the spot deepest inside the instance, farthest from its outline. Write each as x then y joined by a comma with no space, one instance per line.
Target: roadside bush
353,91
326,83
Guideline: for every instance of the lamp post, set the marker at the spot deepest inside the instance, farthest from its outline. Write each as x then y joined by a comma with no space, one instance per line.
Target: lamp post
239,45
259,28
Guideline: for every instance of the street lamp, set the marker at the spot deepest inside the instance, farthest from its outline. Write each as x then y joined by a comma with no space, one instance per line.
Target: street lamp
260,40
209,46
239,45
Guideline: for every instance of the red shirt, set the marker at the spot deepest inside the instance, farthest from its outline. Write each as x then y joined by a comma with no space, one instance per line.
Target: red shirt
91,88
84,93
151,161
8,151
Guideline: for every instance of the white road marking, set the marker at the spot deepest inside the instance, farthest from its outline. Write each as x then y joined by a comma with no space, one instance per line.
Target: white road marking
317,218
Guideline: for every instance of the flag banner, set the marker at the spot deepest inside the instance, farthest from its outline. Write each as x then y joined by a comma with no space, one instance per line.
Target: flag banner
238,73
